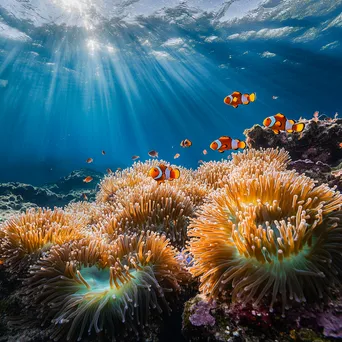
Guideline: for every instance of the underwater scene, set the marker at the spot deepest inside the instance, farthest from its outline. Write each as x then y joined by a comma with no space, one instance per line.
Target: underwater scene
170,170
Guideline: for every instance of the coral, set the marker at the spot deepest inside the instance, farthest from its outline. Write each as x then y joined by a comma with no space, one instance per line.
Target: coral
24,238
201,314
318,142
318,171
161,208
90,286
274,237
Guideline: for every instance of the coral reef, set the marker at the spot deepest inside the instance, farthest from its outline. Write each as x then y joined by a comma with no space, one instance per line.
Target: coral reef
316,152
18,197
265,235
318,142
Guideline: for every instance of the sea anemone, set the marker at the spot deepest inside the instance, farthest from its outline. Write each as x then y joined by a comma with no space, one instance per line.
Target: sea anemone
161,208
26,236
213,174
90,286
276,236
125,179
253,162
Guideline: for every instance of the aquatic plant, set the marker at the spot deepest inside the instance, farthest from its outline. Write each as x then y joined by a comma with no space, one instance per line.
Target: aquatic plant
160,208
276,236
25,237
90,286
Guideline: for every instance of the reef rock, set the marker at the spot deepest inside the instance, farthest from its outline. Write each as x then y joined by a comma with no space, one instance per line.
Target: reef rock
203,321
320,141
17,197
316,151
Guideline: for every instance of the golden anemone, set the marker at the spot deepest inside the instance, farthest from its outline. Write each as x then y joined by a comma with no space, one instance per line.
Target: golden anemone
213,174
253,162
125,179
25,237
276,235
156,207
91,287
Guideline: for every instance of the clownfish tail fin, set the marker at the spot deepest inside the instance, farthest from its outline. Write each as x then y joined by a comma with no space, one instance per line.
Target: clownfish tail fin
241,144
175,173
298,127
252,97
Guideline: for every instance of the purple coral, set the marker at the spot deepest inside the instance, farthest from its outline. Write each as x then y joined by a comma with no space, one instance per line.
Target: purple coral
201,314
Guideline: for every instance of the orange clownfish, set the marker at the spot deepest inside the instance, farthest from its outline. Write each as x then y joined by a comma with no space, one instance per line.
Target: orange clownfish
227,143
279,123
236,99
186,143
161,173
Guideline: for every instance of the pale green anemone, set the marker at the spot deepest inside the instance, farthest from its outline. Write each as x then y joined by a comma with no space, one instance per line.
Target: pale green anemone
92,287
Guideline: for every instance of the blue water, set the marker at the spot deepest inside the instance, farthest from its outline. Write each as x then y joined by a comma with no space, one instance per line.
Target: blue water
72,92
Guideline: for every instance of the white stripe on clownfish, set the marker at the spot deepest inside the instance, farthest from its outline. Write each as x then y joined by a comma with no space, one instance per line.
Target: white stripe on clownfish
244,99
160,174
273,121
219,144
167,173
288,125
234,144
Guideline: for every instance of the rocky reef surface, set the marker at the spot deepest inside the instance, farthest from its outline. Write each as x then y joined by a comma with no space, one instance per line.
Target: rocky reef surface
18,197
316,152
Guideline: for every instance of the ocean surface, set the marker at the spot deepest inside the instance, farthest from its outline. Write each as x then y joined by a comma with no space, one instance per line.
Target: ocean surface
78,77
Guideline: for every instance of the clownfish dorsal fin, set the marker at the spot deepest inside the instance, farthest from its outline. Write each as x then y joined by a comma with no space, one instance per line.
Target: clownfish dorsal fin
224,137
279,115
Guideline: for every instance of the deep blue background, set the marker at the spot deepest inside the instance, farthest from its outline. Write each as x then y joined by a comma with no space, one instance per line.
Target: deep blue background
65,102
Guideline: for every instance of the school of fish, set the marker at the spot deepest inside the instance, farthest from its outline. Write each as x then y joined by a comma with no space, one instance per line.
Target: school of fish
277,123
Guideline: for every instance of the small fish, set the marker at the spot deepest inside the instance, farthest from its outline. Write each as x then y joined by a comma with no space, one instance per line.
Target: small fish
227,143
119,169
177,155
109,171
237,98
274,97
103,152
89,160
87,179
315,116
153,154
200,161
280,123
85,197
135,157
161,173
205,152
186,143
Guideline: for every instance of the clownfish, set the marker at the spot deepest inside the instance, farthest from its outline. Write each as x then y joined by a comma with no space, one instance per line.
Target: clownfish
236,99
186,143
161,173
279,123
227,143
